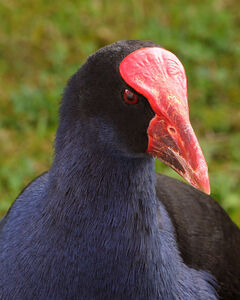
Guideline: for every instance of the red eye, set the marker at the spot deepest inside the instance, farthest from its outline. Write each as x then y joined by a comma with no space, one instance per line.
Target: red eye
130,97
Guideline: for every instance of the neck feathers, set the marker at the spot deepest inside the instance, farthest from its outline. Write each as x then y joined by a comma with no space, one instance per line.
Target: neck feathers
124,240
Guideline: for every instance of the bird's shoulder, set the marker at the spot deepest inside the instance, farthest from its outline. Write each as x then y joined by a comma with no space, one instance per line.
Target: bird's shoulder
207,238
27,199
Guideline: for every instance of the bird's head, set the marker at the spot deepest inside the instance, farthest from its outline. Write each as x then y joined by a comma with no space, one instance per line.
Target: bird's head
133,96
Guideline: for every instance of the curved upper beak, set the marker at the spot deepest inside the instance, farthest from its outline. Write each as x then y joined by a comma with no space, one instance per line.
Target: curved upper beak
158,75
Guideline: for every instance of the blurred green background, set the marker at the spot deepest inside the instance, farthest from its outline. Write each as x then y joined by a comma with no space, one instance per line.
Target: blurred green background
43,42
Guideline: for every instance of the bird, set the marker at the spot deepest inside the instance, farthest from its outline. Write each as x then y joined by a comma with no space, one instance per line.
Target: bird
101,223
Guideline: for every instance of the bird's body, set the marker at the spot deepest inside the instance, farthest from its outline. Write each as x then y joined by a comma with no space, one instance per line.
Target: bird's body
118,248
100,224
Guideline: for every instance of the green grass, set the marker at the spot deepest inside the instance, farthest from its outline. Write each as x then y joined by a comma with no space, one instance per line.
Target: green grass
43,42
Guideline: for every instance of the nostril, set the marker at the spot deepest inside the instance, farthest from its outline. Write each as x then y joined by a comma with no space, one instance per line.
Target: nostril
172,129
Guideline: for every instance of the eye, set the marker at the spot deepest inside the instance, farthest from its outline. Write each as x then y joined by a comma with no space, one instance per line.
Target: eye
130,97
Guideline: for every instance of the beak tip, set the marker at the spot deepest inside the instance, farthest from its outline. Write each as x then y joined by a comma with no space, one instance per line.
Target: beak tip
207,189
202,185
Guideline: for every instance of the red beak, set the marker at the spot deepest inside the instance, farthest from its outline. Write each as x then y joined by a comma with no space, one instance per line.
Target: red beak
159,76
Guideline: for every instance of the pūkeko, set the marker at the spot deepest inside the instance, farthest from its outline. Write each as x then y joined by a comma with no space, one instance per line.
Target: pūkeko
100,224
